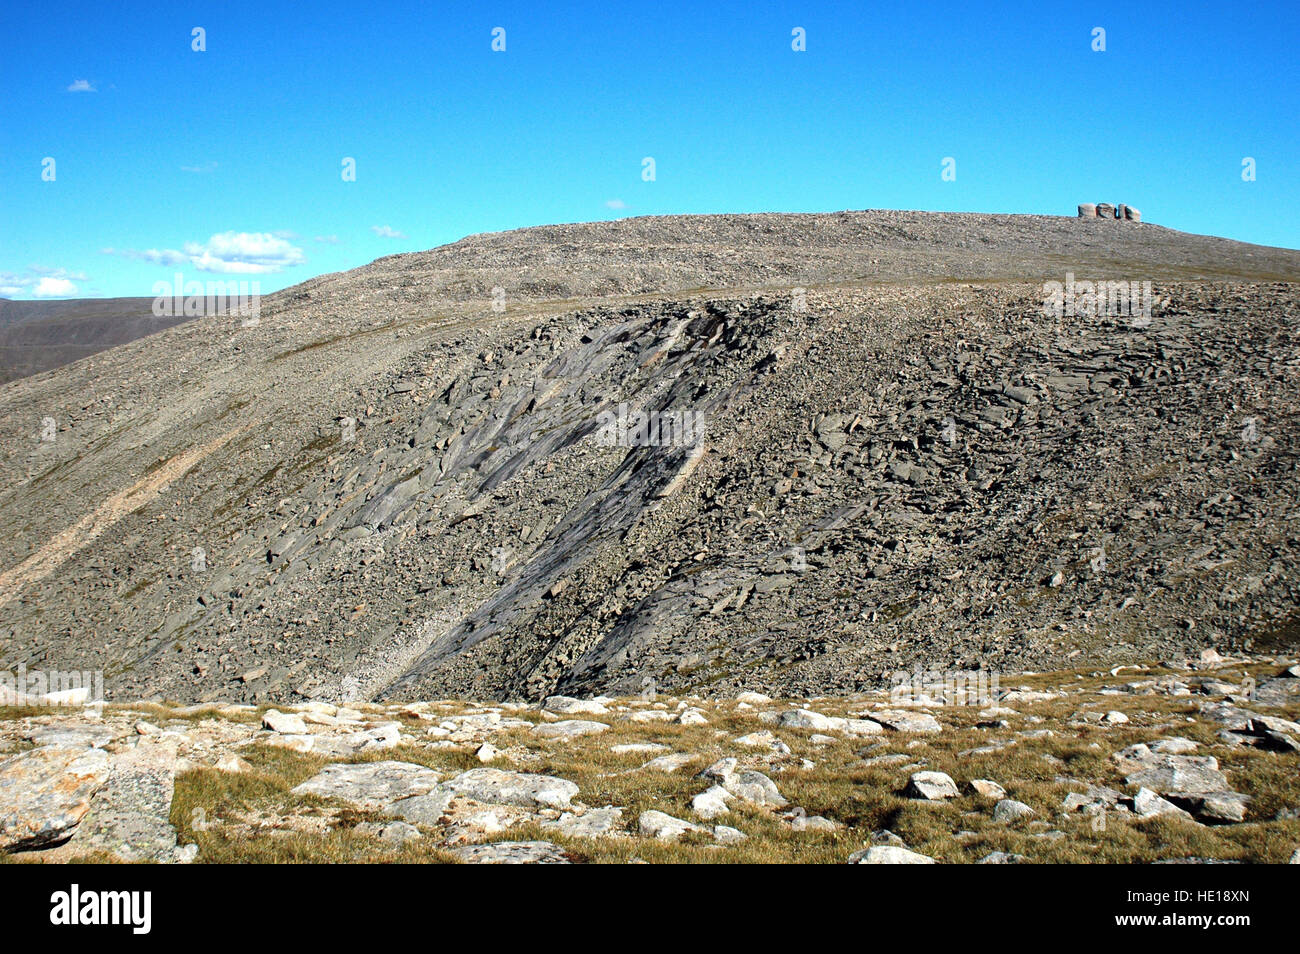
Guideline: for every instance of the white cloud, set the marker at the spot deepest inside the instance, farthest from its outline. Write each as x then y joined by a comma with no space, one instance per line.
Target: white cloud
615,204
155,255
54,288
387,231
328,239
41,281
203,167
234,253
81,86
57,273
252,253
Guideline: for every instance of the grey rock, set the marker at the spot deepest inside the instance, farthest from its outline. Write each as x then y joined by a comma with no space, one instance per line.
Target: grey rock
396,832
428,808
1009,810
637,748
904,721
755,788
527,790
712,802
1166,774
1216,808
1147,804
129,816
284,723
762,740
371,785
74,736
1002,858
726,835
593,823
931,786
808,719
889,855
568,705
1173,745
721,770
513,853
569,729
988,789
386,736
664,827
505,450
669,763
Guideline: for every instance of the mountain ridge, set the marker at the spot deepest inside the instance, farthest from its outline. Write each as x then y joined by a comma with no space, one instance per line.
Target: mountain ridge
911,429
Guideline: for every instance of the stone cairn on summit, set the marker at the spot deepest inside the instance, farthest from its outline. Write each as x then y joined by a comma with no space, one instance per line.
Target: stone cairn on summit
1104,210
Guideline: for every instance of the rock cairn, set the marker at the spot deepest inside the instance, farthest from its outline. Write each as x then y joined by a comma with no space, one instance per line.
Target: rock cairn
1104,210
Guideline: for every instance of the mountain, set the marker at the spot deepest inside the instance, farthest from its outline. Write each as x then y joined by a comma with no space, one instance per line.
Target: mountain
871,448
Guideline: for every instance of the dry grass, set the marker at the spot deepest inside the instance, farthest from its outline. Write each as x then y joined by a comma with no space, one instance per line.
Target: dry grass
255,817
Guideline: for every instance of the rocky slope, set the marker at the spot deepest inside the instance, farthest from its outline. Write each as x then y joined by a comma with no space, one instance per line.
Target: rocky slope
397,484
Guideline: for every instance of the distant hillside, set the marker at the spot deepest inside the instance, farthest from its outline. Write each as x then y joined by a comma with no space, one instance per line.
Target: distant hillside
36,336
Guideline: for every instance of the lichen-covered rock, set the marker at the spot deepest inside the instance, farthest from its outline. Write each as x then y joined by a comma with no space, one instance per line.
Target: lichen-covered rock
374,785
1171,774
46,792
569,729
513,853
497,787
130,815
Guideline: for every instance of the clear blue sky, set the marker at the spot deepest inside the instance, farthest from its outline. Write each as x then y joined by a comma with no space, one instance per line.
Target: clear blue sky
228,161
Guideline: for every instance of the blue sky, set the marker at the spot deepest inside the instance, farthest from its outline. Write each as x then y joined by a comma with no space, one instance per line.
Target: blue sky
227,163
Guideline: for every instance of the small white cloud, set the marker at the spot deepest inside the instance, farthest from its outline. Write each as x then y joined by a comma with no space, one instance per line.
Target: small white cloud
81,86
615,204
328,239
157,256
41,281
387,231
251,253
54,288
235,253
10,284
203,167
57,273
